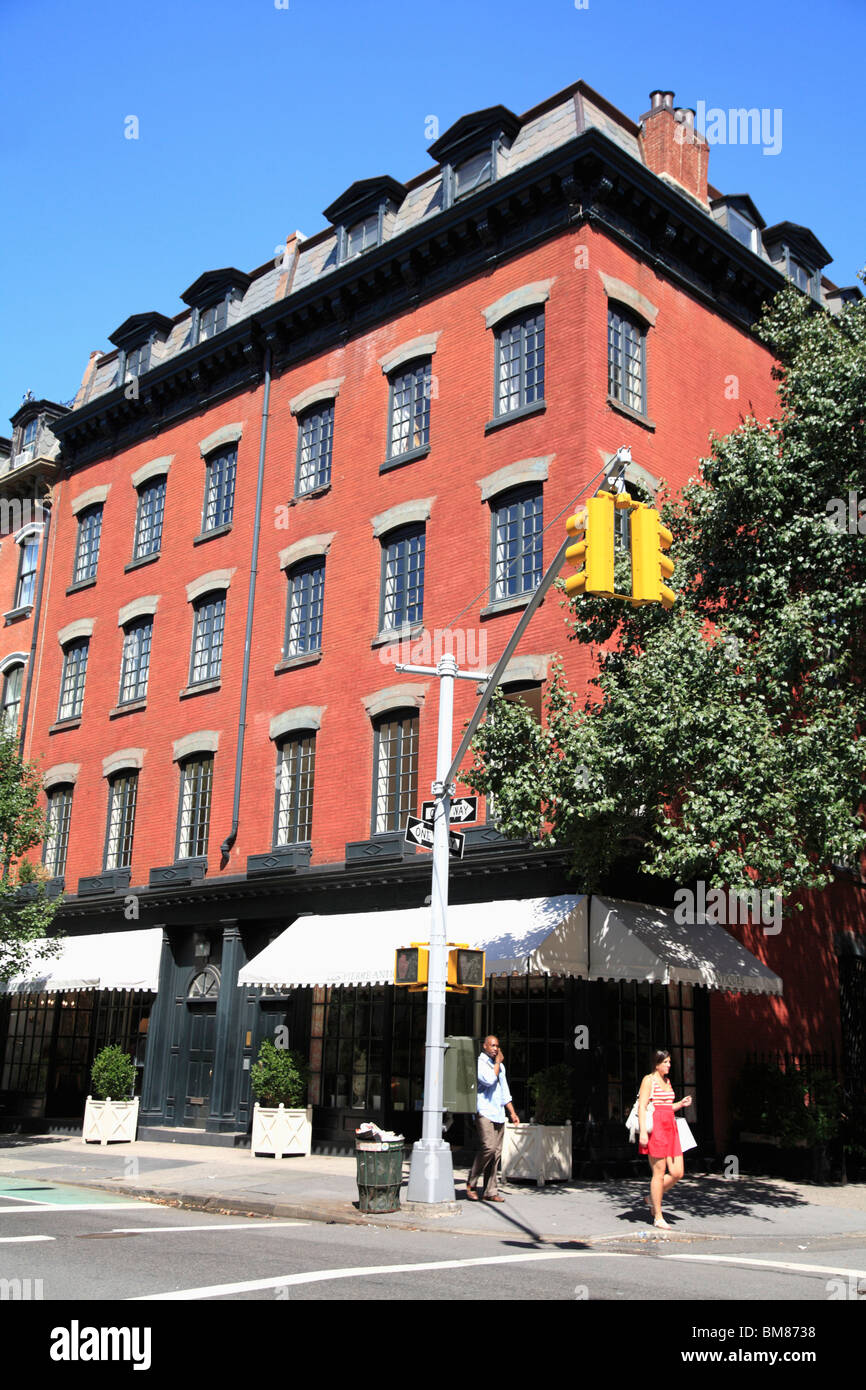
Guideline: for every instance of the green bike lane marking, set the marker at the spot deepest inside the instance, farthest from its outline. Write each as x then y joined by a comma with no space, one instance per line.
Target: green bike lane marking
33,1193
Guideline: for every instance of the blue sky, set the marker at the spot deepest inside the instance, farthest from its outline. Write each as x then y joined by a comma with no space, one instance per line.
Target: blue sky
253,118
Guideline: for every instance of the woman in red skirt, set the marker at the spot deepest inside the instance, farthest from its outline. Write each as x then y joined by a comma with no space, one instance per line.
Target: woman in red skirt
662,1144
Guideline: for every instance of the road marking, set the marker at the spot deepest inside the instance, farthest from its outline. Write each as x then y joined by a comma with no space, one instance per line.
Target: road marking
12,1240
323,1275
32,1201
770,1264
251,1225
50,1208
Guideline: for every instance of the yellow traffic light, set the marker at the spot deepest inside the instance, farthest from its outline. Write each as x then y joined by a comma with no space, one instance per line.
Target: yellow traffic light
650,566
592,529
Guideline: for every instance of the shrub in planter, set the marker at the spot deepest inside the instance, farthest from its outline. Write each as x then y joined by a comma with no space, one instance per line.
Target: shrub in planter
279,1077
552,1092
113,1074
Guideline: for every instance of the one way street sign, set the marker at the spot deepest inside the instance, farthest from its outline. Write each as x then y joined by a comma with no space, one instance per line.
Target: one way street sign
418,832
463,809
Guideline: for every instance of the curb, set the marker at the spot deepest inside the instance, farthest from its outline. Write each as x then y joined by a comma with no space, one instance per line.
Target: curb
338,1215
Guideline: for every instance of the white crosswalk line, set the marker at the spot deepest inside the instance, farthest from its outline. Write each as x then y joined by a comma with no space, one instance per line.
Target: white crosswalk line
362,1271
50,1208
798,1268
19,1240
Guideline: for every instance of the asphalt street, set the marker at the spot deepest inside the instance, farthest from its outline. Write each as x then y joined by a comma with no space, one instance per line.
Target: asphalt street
71,1245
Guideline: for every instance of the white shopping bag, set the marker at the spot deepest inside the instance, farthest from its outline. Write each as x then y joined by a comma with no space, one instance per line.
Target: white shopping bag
687,1139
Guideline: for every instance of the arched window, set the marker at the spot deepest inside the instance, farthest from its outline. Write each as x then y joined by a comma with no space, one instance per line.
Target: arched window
296,765
205,986
11,703
25,587
395,785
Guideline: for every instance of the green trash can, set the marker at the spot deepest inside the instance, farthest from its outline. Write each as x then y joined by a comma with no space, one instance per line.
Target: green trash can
380,1174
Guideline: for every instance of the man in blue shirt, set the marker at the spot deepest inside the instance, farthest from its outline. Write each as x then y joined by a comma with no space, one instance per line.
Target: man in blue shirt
494,1099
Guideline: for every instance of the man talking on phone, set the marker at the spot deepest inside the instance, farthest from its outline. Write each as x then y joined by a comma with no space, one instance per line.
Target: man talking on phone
494,1100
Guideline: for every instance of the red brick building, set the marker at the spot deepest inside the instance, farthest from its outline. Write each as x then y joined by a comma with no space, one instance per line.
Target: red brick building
368,443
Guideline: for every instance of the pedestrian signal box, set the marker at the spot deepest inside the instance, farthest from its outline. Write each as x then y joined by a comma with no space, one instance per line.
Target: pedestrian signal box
465,969
410,965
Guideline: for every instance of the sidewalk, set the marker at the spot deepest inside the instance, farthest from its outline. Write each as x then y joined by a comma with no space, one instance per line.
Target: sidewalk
324,1189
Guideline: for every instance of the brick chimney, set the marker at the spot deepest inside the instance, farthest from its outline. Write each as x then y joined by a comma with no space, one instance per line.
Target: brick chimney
671,145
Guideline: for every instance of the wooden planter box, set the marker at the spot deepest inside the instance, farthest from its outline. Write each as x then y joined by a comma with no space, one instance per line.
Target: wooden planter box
539,1152
281,1131
110,1121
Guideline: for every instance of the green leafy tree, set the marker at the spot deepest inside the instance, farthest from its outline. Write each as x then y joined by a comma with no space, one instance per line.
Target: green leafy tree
25,912
720,740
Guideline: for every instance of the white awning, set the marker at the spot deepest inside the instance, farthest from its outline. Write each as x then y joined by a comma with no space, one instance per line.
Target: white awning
102,960
631,941
555,936
529,935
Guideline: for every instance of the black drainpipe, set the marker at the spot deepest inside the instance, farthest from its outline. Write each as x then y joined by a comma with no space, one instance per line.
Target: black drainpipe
226,846
37,608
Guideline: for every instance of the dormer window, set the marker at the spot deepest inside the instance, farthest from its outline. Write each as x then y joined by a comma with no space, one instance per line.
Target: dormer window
363,236
473,173
471,149
738,215
363,215
138,360
29,434
800,276
798,254
209,298
135,338
740,227
213,320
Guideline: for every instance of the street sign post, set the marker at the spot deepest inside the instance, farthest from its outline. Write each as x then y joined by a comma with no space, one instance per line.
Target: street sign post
420,832
463,809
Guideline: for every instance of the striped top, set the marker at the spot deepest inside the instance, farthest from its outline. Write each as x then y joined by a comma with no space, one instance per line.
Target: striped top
662,1095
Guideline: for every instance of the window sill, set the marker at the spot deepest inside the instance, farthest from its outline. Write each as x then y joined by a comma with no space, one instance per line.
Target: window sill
410,456
72,723
507,605
523,412
129,707
81,584
145,560
320,491
622,409
199,688
397,634
290,663
211,535
15,615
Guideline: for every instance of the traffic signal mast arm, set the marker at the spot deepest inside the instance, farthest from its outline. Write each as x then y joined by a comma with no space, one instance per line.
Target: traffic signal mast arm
590,542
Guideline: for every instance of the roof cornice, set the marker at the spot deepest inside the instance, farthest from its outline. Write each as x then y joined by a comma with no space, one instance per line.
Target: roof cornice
590,180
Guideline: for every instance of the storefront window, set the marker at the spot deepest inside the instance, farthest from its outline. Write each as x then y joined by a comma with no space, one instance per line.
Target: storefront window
352,1059
641,1018
527,1014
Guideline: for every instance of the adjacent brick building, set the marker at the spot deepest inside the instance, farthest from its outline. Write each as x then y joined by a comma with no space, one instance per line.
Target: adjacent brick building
317,467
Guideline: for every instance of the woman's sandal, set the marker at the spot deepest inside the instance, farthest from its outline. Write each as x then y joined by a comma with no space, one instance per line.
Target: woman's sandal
661,1223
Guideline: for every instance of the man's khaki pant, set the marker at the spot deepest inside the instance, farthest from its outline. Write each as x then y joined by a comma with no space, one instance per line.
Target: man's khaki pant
486,1165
